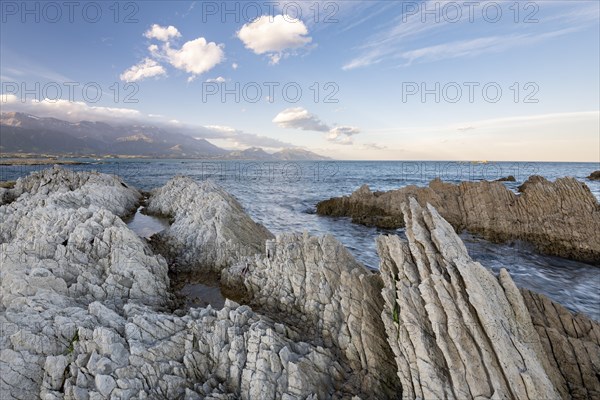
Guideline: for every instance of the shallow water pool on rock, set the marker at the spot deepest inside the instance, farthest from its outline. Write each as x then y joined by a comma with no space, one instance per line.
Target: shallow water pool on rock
198,295
146,225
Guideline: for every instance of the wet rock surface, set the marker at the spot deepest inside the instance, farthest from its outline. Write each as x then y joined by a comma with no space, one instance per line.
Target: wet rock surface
594,176
560,218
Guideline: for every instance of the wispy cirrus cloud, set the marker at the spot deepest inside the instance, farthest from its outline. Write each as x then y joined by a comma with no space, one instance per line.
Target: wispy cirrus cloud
392,42
475,47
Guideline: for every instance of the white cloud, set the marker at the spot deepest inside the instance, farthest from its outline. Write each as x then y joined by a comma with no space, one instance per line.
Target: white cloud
162,33
218,79
147,68
80,111
274,35
299,118
73,111
474,47
234,66
390,42
343,130
221,128
342,134
196,56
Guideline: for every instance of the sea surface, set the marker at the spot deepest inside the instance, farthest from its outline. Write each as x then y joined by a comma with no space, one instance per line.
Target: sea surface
283,197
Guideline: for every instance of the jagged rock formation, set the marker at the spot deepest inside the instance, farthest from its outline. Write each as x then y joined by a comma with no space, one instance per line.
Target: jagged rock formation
85,312
210,229
316,288
594,176
68,263
459,332
84,316
81,188
572,343
559,218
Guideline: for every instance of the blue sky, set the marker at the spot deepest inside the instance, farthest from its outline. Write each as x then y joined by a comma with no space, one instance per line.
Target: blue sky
368,56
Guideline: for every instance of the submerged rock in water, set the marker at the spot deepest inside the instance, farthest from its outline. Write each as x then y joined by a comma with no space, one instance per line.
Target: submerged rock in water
210,229
509,178
458,331
560,218
594,176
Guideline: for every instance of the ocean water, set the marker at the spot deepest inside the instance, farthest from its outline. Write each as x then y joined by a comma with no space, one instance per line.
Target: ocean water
283,197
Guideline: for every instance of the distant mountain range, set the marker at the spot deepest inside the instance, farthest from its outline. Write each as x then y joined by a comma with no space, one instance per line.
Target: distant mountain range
25,133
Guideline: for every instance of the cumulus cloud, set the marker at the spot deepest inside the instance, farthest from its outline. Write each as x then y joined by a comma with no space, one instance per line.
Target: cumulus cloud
195,56
274,35
147,68
162,33
300,118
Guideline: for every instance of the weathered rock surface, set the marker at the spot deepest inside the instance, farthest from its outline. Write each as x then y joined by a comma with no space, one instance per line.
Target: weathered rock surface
559,218
594,176
458,331
315,287
210,229
85,312
81,188
572,343
83,316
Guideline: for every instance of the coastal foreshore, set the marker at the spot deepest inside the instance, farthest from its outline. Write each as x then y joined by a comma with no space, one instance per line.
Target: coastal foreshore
88,311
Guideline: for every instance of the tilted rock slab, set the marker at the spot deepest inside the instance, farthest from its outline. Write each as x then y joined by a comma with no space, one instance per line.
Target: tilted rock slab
315,287
559,218
210,229
459,332
572,343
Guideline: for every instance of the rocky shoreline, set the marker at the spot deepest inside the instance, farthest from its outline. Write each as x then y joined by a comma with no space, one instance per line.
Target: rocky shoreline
560,218
87,308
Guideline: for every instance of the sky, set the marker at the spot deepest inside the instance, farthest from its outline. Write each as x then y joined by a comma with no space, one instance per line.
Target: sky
370,80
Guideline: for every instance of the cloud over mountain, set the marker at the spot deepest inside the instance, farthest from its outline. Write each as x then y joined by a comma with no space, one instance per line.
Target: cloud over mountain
300,118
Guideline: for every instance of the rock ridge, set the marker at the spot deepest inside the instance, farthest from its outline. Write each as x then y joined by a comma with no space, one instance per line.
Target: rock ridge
559,218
